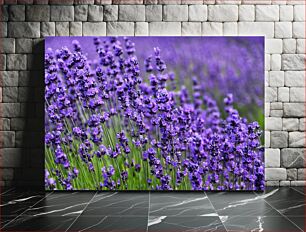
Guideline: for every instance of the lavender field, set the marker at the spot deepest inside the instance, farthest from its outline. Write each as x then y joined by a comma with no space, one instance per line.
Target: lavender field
154,113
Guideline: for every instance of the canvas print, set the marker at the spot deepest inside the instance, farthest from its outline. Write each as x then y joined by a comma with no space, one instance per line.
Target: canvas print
154,113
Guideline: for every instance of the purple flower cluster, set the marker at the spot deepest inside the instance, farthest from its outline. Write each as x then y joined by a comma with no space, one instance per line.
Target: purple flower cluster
110,125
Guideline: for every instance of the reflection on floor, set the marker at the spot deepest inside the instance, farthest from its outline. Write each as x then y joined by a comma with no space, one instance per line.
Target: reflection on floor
276,209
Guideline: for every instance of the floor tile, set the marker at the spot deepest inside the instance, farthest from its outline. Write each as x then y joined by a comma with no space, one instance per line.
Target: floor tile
13,203
258,223
300,189
299,221
283,193
179,204
181,224
238,203
110,224
61,204
118,203
40,223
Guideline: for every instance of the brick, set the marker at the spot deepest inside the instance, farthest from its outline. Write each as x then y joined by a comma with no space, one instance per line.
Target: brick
246,13
289,46
83,2
276,105
267,61
12,157
275,182
209,2
24,45
222,13
230,28
194,2
148,2
120,28
256,28
298,30
24,29
24,78
38,13
40,2
297,94
8,139
228,2
293,61
75,29
4,15
267,13
175,13
292,174
62,13
47,29
284,183
103,2
62,28
294,78
211,28
296,139
16,62
164,28
301,174
286,13
298,183
141,29
18,123
95,13
2,62
129,2
197,13
294,110
302,125
191,28
110,13
9,94
267,138
267,109
279,139
7,45
17,13
272,158
276,79
9,78
80,13
273,46
299,13
131,13
293,157
270,94
273,123
60,2
290,124
7,174
154,13
3,29
11,109
283,30
276,62
300,47
174,2
277,113
275,174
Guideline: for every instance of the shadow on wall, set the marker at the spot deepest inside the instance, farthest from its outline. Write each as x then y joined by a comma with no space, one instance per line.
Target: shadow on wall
31,173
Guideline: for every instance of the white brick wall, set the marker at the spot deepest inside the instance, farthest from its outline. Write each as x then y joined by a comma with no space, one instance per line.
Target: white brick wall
281,22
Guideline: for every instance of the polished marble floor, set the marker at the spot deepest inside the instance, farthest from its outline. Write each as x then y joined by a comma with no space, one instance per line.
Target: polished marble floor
275,210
